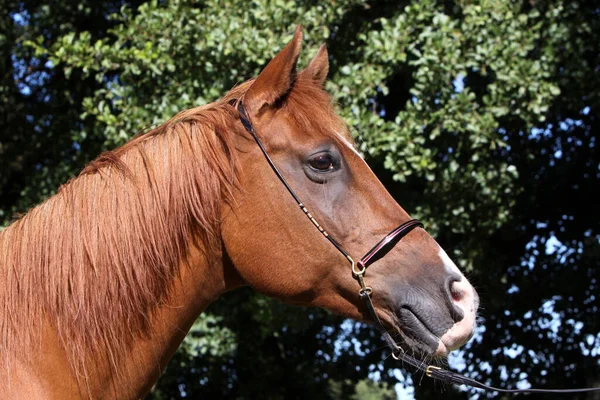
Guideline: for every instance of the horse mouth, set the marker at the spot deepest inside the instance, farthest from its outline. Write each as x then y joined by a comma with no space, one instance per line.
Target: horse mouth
418,335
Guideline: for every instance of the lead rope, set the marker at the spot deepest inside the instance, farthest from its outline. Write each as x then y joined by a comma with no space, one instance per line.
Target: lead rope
365,292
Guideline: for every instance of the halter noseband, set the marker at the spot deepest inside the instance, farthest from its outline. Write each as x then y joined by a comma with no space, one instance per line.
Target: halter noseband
365,292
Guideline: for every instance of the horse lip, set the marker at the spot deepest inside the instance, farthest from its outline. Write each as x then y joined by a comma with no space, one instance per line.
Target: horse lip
431,340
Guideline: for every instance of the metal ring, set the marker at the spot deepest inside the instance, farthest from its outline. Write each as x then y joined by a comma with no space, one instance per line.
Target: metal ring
394,356
359,272
367,289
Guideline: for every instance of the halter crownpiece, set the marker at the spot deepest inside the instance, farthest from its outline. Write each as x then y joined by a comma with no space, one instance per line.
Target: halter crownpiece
365,292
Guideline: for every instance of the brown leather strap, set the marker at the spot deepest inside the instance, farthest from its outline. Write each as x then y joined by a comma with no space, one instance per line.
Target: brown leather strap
388,241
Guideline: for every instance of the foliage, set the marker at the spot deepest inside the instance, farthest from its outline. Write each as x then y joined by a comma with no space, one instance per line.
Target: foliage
480,118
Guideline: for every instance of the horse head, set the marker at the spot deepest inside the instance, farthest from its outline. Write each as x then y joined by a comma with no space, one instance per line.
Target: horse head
418,292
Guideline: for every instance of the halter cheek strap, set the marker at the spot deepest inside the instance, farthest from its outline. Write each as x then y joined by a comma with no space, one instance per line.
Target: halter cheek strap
365,292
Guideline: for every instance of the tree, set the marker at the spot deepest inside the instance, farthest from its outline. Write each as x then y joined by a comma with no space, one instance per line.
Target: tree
41,105
480,118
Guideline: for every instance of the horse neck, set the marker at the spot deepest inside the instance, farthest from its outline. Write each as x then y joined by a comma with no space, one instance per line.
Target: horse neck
47,372
109,291
201,282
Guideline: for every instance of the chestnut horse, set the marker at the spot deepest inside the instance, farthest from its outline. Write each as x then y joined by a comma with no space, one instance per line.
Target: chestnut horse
101,282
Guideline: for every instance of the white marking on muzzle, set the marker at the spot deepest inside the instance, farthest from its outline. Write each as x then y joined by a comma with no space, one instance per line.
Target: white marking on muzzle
467,300
448,263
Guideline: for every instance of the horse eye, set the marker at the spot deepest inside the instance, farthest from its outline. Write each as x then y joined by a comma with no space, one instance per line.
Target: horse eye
322,162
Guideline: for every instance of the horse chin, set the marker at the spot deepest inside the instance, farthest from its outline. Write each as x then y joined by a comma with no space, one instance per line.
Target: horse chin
418,337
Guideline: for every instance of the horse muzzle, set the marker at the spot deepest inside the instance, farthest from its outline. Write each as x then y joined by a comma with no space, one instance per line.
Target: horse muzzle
435,322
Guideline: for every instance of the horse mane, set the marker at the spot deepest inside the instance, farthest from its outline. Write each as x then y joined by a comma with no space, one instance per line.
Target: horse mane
96,259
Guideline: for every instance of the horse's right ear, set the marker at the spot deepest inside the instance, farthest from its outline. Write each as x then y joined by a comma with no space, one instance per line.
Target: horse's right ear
277,79
319,66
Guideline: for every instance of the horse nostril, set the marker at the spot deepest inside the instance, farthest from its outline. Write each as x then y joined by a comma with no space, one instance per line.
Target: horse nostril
455,295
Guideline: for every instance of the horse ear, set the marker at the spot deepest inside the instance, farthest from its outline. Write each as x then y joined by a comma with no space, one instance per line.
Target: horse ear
319,67
277,79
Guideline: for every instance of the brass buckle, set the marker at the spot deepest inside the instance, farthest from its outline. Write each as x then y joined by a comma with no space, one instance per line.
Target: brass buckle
429,369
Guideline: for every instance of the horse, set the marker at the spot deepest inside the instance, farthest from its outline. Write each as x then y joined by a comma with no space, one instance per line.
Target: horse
101,282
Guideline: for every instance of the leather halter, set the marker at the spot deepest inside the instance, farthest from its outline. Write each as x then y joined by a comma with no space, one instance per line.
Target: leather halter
365,292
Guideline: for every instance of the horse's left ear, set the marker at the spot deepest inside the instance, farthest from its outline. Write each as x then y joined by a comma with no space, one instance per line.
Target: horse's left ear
277,79
318,67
